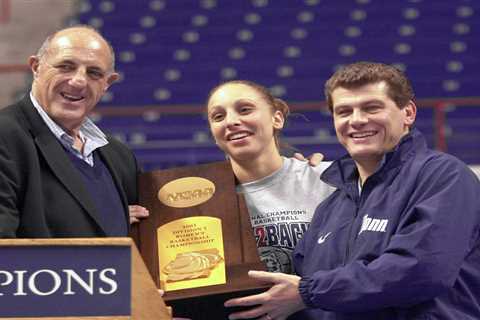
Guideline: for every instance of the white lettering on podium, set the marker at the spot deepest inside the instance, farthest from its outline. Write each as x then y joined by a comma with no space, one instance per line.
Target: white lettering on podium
33,287
109,281
71,274
104,281
8,279
20,285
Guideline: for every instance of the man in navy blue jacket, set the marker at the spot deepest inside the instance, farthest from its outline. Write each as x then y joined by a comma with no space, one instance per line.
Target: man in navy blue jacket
399,239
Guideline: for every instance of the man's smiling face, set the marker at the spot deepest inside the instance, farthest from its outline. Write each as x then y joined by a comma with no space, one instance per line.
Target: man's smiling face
72,75
367,121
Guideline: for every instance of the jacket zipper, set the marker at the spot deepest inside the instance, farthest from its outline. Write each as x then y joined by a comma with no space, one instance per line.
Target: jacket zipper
356,197
359,199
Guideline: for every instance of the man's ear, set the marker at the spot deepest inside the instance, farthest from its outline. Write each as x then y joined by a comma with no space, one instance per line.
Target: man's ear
410,113
34,63
278,120
111,79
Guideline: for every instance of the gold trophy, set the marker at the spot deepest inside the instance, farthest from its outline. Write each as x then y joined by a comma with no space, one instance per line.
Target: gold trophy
197,242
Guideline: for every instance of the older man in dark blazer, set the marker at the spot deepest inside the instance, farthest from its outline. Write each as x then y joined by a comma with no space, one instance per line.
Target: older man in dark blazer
60,176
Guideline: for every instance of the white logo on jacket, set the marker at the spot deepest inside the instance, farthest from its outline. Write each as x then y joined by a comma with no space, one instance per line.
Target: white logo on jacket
322,239
372,224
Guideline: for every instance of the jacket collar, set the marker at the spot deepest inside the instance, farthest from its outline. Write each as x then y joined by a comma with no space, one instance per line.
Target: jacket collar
343,173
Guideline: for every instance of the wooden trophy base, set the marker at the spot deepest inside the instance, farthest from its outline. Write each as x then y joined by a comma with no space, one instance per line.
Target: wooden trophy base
207,303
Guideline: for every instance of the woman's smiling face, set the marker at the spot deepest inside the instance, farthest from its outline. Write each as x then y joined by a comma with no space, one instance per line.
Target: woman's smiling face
242,122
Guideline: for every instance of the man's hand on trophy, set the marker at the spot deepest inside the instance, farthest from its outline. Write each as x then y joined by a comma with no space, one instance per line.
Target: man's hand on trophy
280,301
137,213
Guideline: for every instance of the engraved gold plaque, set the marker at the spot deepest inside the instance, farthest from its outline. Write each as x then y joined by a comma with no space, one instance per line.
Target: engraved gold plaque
191,253
186,192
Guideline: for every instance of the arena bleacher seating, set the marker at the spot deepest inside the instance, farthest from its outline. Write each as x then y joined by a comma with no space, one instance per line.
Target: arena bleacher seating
171,53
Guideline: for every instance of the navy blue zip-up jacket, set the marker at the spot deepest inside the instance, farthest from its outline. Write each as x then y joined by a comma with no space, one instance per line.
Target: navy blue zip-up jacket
407,247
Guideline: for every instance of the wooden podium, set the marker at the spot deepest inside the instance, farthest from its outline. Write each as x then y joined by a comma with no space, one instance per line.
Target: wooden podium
44,278
210,192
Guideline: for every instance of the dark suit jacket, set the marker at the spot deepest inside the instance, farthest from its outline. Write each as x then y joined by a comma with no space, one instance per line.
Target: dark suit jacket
42,195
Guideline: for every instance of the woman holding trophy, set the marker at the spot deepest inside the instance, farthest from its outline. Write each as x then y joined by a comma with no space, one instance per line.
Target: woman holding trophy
281,193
